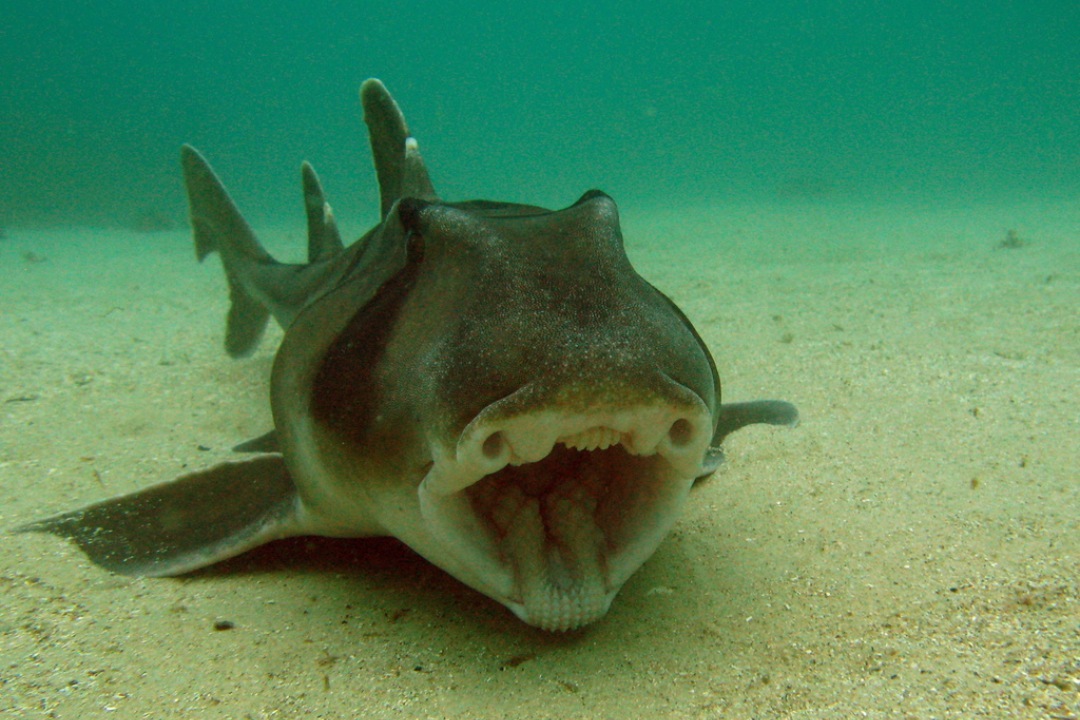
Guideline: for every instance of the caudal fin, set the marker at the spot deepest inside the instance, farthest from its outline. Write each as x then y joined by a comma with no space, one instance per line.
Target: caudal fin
259,286
219,227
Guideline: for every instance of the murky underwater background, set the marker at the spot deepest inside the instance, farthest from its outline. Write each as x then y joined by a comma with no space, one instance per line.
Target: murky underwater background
536,102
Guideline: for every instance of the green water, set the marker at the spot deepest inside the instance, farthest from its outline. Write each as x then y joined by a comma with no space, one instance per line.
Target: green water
536,102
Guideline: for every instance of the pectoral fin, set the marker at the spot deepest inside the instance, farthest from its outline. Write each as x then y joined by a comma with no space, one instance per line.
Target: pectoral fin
265,443
193,521
769,412
738,415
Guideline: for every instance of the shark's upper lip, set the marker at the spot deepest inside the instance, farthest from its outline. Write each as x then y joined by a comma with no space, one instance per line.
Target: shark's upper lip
678,430
553,510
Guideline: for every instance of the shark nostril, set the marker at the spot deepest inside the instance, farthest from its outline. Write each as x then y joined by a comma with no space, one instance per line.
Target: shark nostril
681,432
493,446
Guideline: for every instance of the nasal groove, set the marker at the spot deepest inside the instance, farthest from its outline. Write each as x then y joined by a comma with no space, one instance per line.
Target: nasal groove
493,445
681,432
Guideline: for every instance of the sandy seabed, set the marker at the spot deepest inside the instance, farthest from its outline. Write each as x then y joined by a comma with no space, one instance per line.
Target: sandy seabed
909,551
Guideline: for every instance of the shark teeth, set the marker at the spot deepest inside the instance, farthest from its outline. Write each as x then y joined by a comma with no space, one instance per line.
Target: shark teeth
680,434
597,438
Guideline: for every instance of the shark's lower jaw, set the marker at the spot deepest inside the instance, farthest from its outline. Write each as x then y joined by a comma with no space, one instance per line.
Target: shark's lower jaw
550,513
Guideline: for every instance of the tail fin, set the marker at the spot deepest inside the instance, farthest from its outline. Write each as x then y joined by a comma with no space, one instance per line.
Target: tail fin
219,226
260,286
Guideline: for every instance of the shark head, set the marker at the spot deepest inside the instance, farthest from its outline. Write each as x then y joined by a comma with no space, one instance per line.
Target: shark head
555,406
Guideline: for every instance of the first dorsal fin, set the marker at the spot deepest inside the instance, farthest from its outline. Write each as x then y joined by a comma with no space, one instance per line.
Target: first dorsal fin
398,165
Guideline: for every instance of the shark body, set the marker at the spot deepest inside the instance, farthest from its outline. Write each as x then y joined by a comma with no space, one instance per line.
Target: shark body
491,383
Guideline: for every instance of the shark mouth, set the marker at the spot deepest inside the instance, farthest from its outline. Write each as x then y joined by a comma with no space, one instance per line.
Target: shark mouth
550,512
